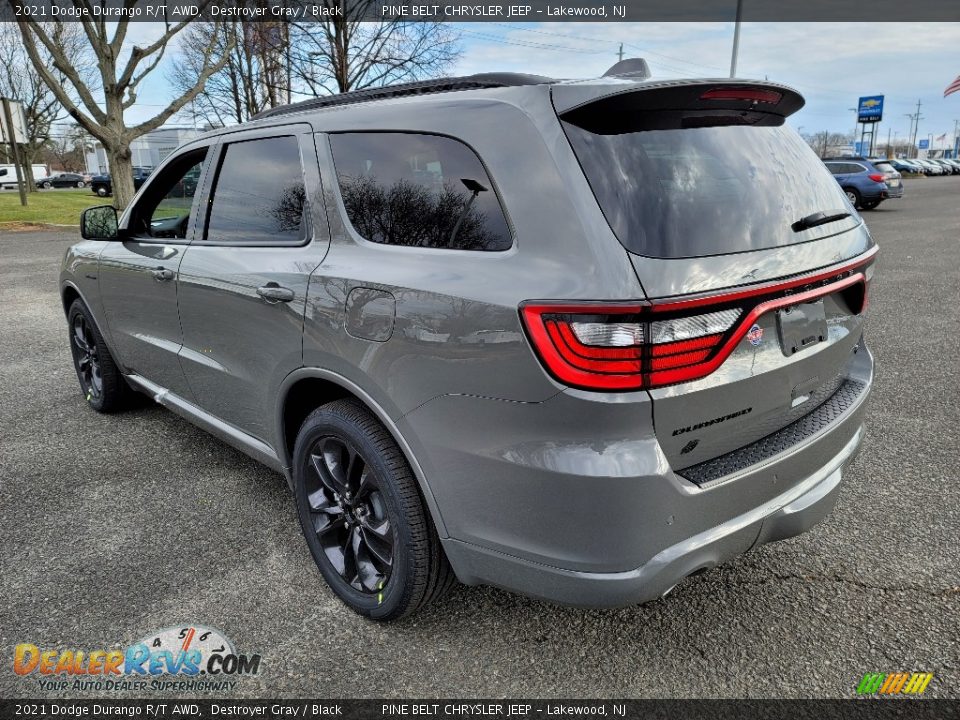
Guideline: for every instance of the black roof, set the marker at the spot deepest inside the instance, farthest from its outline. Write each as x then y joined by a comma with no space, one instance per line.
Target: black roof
422,87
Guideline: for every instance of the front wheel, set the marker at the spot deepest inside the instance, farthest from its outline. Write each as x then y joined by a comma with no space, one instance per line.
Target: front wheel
101,381
102,191
81,184
362,515
46,186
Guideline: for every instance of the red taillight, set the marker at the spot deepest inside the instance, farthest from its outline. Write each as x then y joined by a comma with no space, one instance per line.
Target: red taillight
634,346
743,93
876,177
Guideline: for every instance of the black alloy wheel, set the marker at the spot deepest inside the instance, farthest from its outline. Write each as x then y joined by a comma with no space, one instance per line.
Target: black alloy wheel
87,358
101,381
363,516
349,514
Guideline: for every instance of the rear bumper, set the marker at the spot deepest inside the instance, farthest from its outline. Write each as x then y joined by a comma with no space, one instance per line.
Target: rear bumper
573,501
895,192
785,516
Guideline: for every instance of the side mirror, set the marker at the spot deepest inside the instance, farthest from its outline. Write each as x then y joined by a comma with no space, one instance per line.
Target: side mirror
99,223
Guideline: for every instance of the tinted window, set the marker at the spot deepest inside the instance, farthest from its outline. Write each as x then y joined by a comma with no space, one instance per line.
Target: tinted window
164,211
259,194
418,191
695,191
884,167
836,168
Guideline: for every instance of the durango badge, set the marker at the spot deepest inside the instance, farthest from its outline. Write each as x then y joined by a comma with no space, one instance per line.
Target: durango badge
755,335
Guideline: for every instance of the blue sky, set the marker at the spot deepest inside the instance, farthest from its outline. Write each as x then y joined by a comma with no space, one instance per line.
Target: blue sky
831,64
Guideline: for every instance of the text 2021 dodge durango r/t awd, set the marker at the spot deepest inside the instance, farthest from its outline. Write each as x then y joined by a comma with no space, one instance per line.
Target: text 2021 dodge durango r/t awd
578,340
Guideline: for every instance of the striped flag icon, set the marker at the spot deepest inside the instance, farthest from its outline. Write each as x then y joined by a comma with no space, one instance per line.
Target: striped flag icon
952,87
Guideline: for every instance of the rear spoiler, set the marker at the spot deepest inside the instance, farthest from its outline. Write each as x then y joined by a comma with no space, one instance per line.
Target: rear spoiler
615,105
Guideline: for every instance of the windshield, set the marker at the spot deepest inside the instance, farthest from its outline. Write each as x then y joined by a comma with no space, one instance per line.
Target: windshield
698,191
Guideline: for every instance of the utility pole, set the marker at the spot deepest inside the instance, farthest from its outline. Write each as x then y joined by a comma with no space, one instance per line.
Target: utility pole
21,182
956,139
736,40
620,54
916,127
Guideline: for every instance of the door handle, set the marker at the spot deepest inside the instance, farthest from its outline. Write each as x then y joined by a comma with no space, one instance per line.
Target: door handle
161,274
273,293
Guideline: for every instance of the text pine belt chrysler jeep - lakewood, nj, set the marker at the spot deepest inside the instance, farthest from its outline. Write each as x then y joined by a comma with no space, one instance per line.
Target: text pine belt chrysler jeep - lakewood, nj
576,339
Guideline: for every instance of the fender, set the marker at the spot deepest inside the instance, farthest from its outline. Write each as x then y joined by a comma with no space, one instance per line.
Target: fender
377,409
103,329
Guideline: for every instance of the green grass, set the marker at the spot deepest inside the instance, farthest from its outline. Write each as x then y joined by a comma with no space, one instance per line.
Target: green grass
57,207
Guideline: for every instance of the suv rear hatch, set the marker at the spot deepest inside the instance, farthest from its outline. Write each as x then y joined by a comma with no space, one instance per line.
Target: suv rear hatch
754,265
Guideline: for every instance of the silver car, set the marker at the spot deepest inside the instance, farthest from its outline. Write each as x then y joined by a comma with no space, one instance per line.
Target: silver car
579,340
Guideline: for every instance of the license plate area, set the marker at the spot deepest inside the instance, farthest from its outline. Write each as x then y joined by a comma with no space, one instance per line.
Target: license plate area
801,326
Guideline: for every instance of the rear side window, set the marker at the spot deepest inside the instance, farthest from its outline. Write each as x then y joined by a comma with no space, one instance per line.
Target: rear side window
258,196
418,191
700,191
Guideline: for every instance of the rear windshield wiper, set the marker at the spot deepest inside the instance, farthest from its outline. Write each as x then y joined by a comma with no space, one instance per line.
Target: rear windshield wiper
819,218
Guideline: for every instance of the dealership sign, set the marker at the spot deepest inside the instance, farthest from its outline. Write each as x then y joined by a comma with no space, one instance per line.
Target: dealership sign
870,109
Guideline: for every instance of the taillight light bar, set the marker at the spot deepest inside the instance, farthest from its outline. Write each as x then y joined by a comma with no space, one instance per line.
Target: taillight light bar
616,346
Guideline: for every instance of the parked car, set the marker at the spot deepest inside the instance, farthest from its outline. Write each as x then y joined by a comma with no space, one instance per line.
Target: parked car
955,163
61,180
948,167
905,166
102,185
864,184
584,388
931,168
891,176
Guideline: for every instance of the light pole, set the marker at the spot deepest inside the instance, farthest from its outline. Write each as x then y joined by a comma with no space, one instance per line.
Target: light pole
736,40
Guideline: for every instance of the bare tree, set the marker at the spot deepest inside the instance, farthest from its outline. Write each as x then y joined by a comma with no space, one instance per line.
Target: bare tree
20,81
119,81
67,148
253,78
343,52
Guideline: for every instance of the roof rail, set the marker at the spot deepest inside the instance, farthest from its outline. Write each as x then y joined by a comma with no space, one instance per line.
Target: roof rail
422,87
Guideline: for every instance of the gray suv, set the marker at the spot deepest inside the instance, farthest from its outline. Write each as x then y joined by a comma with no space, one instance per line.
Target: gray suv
579,340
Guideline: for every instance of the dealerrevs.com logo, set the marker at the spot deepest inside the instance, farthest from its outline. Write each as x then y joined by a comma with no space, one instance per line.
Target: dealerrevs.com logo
179,659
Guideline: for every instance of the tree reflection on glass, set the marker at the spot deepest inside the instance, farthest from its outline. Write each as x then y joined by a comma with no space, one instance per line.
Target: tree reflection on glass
288,210
100,223
410,214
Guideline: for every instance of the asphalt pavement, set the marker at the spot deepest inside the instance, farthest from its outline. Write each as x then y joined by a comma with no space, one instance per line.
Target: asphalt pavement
112,527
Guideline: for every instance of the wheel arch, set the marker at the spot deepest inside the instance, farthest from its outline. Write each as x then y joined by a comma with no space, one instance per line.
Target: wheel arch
306,389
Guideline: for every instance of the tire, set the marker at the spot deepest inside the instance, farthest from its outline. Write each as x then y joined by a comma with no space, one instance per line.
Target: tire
46,186
101,382
871,204
81,184
102,192
853,196
376,547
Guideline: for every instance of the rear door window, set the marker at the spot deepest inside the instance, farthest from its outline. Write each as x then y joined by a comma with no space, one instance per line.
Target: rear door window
259,195
699,191
418,190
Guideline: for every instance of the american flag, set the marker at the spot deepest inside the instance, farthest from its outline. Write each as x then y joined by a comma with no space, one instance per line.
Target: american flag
952,87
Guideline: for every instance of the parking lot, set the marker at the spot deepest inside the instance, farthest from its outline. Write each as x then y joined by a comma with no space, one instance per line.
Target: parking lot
112,527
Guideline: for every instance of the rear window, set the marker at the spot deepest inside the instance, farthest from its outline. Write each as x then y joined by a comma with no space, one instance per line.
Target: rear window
884,167
698,191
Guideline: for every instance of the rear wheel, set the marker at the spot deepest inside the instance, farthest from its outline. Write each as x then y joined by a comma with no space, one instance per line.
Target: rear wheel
101,381
853,196
46,186
81,183
870,205
362,515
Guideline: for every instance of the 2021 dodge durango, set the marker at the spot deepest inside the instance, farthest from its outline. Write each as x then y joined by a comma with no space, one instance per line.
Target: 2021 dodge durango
579,340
